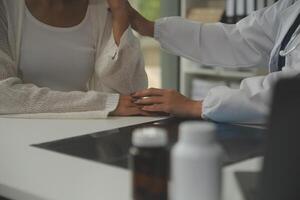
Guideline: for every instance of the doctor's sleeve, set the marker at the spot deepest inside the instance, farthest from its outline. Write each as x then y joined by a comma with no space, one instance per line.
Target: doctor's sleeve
249,104
246,44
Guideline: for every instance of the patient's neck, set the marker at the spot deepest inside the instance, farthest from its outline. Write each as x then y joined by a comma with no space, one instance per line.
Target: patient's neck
60,13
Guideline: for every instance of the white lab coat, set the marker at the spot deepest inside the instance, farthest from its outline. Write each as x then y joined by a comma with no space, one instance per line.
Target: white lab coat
254,41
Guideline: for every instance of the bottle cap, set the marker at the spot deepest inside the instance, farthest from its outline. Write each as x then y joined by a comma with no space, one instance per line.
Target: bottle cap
149,137
197,132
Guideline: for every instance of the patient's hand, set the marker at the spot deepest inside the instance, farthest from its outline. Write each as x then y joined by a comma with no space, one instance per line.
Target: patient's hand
126,107
168,101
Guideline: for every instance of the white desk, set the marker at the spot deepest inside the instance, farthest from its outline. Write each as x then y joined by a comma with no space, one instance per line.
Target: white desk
28,173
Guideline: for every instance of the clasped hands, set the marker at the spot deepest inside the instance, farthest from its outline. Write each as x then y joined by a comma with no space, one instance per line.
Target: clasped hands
151,101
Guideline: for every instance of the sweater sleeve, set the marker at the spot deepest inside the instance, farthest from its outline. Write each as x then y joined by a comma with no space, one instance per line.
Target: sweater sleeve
19,98
127,67
120,68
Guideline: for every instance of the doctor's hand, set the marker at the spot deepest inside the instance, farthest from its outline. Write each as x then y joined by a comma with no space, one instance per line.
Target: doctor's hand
168,101
126,107
139,23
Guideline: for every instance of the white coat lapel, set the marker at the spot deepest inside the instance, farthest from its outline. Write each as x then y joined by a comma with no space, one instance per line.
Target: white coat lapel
287,18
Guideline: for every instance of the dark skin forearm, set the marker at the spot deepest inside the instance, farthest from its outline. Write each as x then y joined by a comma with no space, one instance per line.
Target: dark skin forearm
139,23
123,15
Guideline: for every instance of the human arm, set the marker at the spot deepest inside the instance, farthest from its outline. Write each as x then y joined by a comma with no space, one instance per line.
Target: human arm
19,98
246,44
139,23
119,68
250,104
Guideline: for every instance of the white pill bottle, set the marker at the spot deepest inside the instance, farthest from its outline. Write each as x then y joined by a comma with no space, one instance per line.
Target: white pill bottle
196,162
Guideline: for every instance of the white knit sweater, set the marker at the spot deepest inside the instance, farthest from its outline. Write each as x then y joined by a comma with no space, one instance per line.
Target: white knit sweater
118,70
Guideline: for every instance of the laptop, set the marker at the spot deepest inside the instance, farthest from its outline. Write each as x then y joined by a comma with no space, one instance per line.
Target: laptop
279,179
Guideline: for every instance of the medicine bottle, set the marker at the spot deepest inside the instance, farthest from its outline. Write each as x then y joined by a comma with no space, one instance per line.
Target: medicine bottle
196,163
149,162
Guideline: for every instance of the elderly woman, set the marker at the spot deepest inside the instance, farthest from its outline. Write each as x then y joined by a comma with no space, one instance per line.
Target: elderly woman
68,58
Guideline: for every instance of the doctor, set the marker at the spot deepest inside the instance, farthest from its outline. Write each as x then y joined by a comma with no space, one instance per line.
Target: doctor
267,38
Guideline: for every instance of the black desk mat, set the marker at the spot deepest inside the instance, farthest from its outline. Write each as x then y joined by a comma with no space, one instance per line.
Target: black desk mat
111,147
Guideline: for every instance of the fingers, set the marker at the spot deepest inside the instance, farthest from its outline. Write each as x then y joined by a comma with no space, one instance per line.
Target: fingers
147,114
149,101
151,106
139,111
148,93
157,108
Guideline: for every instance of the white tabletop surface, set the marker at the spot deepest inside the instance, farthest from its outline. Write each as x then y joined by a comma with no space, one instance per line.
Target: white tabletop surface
28,173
